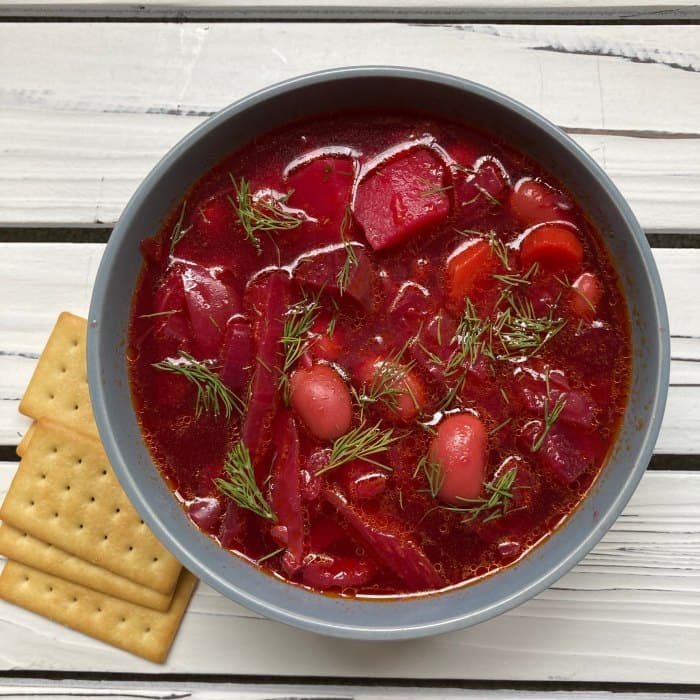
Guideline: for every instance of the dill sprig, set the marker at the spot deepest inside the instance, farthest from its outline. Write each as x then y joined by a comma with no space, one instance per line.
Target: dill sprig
520,331
351,260
299,319
156,314
178,233
489,197
570,285
501,493
493,431
360,443
473,336
499,248
240,486
388,383
212,394
433,473
271,554
432,187
260,213
550,418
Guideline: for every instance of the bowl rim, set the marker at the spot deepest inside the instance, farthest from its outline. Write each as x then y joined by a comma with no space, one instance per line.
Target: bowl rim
96,367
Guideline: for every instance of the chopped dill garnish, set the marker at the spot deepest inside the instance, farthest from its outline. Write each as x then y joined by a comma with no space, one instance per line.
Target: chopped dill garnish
240,486
260,213
499,248
518,280
496,505
271,554
388,383
178,232
160,313
521,332
433,187
351,260
493,431
504,395
212,394
360,443
488,195
569,285
433,474
300,317
550,418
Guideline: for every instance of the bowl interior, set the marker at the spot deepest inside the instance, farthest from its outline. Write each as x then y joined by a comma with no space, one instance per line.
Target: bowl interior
376,88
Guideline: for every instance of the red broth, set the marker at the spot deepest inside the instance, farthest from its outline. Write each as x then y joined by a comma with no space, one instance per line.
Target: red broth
378,354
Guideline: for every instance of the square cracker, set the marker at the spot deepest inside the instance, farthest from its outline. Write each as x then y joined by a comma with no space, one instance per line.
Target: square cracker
25,549
58,388
22,446
147,633
66,494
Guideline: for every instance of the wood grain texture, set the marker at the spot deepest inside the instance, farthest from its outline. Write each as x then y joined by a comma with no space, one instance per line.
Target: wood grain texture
38,281
629,612
80,128
400,10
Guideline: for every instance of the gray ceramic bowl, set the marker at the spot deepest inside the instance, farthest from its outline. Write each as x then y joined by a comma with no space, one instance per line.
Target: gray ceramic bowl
391,88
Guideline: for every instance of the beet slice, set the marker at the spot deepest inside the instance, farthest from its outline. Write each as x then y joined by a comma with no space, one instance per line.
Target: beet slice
210,303
531,389
390,543
402,198
285,488
172,325
324,571
268,298
320,271
237,354
322,188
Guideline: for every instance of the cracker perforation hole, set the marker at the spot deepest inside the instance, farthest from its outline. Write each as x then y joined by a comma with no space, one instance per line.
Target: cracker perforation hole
117,510
80,526
75,407
104,472
43,476
92,499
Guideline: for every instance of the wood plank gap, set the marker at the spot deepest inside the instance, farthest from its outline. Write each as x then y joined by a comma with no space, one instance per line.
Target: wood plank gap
94,234
675,462
55,235
219,679
668,16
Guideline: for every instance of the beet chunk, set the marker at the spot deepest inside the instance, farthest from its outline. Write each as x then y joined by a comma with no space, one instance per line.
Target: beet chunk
392,546
320,271
285,488
322,187
402,198
210,303
237,355
268,299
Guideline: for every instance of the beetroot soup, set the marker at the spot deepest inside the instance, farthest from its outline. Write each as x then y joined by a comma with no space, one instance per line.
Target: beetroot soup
378,354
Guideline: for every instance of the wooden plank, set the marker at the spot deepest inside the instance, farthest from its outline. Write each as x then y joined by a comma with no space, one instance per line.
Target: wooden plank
168,690
399,10
37,281
630,612
77,139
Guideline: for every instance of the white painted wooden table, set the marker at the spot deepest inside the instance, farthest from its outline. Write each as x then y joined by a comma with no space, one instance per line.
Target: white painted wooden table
93,93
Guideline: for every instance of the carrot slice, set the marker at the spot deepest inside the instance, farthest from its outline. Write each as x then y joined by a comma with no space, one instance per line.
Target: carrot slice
467,268
553,247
